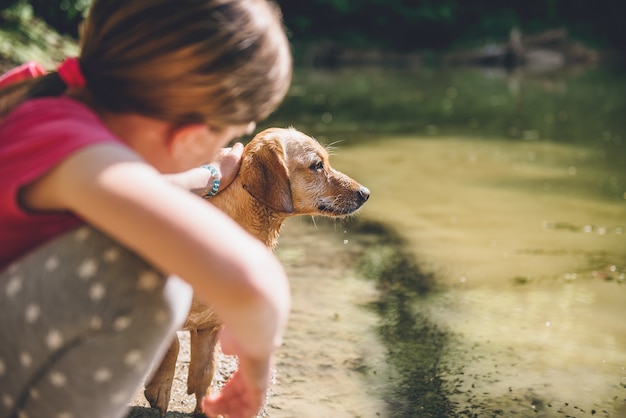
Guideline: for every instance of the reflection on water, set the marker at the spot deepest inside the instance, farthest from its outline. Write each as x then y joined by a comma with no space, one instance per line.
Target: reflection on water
500,261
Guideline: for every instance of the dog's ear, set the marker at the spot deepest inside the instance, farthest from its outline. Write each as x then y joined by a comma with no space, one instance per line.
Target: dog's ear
266,178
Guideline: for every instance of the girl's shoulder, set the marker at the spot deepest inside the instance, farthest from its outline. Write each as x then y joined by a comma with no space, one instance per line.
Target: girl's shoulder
48,110
52,123
40,133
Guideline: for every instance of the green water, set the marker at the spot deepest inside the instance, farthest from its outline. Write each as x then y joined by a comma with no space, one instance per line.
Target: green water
495,234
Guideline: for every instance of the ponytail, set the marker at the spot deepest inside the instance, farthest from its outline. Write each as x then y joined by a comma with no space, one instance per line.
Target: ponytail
25,82
21,84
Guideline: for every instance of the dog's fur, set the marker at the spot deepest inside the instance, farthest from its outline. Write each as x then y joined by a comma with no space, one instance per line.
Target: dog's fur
283,173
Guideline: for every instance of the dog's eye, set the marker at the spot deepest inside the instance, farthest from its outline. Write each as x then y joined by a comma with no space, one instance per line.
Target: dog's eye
317,166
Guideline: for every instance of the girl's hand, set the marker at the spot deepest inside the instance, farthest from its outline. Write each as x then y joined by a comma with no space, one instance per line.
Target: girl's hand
244,393
227,163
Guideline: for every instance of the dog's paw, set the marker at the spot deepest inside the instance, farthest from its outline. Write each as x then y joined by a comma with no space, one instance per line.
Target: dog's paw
158,396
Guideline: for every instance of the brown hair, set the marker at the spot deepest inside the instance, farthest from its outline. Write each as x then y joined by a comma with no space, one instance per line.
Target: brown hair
221,62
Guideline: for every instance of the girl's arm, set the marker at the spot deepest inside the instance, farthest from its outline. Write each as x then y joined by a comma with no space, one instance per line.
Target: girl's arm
113,189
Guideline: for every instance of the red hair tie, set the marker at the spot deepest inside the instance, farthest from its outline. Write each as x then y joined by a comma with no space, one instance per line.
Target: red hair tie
71,74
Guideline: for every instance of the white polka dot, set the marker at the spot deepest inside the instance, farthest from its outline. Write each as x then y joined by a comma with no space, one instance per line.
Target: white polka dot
97,292
34,394
87,269
3,367
25,359
54,339
51,263
14,286
7,401
32,313
58,379
160,317
82,234
22,414
119,398
132,358
96,322
111,255
64,415
102,375
121,323
148,281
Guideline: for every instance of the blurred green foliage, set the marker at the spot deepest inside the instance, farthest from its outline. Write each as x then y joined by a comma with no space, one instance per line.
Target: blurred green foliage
62,15
410,25
24,37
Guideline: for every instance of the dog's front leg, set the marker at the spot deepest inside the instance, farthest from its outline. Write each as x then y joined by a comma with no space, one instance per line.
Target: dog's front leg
202,363
158,390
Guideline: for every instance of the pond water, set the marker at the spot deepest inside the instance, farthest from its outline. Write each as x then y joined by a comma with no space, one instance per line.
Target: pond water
492,253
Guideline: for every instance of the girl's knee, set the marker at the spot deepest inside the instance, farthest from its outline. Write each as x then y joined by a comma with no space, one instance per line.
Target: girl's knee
131,288
86,282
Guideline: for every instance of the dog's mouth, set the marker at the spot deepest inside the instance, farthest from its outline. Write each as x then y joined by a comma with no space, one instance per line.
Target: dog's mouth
329,210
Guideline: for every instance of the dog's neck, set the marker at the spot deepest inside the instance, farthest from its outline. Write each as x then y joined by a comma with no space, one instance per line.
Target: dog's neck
259,220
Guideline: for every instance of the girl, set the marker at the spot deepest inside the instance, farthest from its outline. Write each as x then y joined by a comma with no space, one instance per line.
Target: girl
96,226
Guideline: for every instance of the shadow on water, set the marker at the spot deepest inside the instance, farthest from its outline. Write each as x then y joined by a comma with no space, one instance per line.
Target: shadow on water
434,370
415,344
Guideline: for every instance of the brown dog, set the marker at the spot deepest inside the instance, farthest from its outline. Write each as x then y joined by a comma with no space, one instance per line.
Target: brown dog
283,173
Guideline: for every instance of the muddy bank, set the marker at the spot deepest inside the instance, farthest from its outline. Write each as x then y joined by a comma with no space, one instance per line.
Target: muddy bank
355,347
331,363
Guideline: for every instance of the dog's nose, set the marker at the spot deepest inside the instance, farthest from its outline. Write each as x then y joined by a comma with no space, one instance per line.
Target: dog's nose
364,193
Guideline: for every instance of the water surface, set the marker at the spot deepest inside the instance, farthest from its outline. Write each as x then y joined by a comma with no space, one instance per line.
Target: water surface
527,280
495,235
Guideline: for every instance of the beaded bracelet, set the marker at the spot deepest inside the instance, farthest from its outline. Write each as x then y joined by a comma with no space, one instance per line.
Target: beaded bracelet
216,180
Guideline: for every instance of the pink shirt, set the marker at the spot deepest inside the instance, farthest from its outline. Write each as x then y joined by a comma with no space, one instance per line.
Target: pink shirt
34,138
